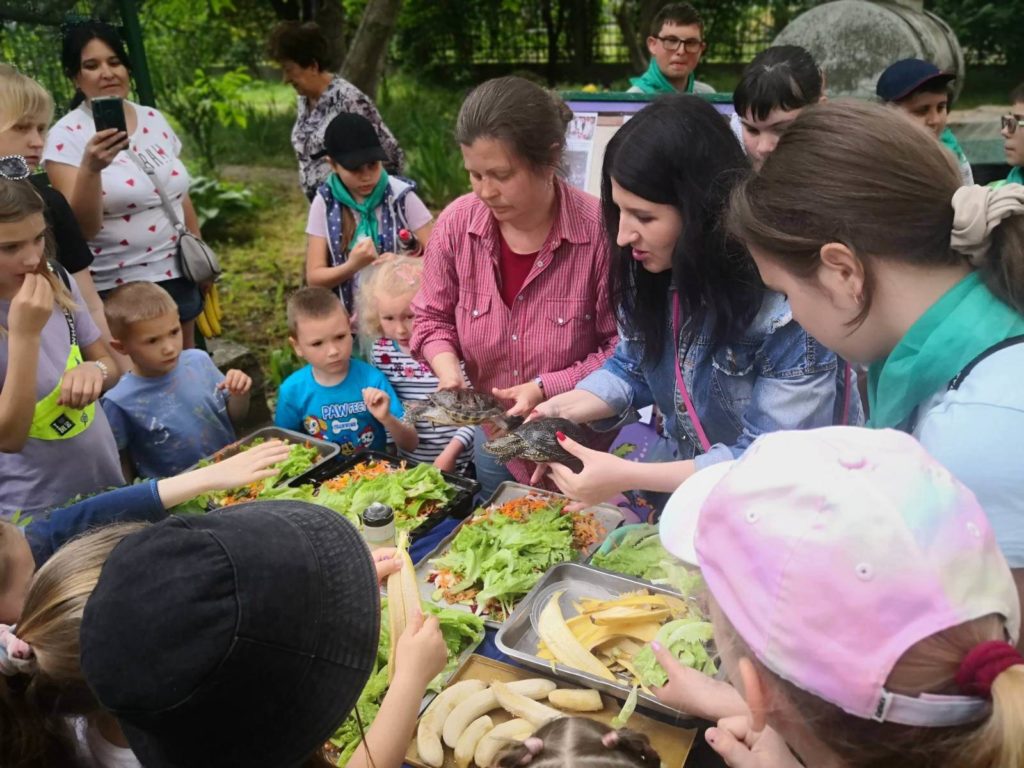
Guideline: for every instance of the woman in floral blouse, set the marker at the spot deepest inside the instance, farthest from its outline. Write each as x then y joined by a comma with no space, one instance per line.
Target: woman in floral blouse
303,53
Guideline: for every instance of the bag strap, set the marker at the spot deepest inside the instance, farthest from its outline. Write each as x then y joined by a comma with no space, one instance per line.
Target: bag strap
702,438
58,269
165,202
957,380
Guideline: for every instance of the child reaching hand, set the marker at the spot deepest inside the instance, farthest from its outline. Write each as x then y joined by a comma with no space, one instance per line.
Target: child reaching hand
384,305
174,407
335,397
55,443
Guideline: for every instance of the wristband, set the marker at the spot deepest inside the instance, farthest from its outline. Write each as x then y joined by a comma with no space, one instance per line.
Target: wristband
539,382
104,371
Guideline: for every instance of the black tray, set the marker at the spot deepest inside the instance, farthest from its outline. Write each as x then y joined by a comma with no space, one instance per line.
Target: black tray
460,506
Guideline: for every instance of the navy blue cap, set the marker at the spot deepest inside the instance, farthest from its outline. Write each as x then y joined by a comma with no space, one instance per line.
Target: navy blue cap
906,76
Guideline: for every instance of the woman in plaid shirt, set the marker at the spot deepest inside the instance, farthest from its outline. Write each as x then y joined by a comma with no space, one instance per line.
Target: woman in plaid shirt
515,279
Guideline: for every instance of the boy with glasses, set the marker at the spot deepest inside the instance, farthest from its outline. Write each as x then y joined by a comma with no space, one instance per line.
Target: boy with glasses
676,44
1012,129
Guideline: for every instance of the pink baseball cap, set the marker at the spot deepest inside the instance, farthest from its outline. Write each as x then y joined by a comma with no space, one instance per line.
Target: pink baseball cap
832,551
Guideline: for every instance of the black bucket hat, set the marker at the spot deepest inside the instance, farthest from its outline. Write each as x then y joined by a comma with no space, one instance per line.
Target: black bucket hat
351,142
236,638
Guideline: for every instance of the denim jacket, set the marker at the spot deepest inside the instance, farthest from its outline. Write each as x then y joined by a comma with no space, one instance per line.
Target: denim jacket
775,377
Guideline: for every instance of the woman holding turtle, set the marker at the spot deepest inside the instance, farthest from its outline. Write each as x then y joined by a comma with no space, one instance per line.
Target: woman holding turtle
703,339
515,278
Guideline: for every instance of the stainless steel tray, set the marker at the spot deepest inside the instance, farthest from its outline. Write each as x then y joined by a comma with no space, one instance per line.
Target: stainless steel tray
324,448
463,657
518,639
608,515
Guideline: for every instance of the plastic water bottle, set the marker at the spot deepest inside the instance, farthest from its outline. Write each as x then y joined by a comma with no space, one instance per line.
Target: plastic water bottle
379,525
408,243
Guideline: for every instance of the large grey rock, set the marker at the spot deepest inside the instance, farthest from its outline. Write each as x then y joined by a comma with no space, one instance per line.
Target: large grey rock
855,40
228,354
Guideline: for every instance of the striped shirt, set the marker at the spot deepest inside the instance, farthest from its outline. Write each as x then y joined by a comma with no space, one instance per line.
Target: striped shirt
561,326
412,380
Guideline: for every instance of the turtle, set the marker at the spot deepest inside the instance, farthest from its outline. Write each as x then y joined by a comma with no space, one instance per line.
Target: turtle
459,408
536,441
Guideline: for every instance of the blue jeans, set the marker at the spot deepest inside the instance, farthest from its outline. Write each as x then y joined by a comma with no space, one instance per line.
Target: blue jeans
490,473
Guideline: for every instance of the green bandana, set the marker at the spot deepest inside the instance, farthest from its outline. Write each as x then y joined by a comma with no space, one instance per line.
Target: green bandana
366,222
957,328
654,81
948,138
1016,176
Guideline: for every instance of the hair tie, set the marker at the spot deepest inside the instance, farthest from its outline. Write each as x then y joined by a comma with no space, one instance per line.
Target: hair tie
983,664
533,746
16,656
405,272
979,210
610,739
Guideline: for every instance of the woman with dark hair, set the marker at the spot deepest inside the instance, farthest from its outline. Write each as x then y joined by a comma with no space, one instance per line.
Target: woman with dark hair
774,87
702,338
515,276
108,176
305,58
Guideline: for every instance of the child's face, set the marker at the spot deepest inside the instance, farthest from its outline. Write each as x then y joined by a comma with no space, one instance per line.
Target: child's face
26,138
18,568
22,244
1013,143
396,317
760,137
325,342
153,345
929,109
678,64
361,181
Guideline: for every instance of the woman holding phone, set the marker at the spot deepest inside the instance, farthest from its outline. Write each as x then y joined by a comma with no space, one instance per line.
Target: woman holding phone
89,158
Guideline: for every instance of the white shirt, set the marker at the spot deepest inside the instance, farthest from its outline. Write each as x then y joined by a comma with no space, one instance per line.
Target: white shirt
136,240
94,751
977,432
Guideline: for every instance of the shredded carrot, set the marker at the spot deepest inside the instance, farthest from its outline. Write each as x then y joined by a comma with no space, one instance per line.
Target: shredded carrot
364,470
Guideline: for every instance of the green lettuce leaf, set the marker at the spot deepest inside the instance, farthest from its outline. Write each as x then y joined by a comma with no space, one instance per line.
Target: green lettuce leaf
405,491
687,640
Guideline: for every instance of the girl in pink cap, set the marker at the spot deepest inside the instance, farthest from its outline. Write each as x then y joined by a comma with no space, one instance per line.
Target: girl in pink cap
889,261
860,604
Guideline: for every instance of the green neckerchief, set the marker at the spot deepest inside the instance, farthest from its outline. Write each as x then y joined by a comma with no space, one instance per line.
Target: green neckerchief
654,80
366,222
948,138
957,328
1016,176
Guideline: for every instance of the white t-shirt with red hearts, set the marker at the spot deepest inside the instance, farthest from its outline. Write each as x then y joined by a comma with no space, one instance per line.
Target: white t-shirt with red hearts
136,240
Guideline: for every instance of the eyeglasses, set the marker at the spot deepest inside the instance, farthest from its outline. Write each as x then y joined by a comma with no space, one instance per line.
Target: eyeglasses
1010,123
690,44
14,167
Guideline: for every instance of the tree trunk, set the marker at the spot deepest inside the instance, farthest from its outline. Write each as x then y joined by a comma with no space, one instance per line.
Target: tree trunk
366,56
331,19
634,18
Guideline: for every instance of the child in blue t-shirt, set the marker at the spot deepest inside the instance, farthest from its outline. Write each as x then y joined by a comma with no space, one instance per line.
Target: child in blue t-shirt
335,397
174,407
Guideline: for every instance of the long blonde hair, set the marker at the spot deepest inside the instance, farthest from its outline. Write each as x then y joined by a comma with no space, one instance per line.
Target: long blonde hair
929,666
33,705
400,276
19,200
21,97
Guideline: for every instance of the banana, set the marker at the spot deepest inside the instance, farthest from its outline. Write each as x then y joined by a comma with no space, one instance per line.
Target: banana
214,321
204,325
214,297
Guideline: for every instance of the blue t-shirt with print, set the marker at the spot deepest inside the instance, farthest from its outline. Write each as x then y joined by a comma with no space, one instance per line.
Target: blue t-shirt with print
336,413
168,423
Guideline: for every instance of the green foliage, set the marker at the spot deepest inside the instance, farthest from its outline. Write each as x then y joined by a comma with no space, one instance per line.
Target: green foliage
206,102
283,363
422,118
988,31
222,206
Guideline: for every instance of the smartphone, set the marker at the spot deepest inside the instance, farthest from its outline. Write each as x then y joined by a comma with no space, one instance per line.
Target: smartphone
108,112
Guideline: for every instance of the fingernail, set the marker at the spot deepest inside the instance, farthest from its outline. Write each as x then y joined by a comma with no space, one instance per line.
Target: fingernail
560,435
656,645
710,735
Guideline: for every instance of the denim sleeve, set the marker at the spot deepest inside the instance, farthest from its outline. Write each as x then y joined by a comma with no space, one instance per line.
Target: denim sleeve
621,383
795,389
133,503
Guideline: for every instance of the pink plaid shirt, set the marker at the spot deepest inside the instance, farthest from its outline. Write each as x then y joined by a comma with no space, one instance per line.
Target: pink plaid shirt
561,326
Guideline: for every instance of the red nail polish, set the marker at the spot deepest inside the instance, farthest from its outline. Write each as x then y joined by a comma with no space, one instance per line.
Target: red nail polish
560,435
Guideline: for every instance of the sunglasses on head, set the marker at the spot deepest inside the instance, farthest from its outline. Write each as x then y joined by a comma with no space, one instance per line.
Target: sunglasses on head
14,167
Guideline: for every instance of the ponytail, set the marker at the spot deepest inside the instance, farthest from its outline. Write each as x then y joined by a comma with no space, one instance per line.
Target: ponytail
999,743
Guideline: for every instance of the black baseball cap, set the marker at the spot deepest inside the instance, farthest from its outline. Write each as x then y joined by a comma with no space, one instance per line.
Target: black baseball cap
351,142
907,75
236,638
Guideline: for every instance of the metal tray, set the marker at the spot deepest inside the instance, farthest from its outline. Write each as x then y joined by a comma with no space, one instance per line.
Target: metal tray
461,661
325,448
460,505
518,639
608,515
672,742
